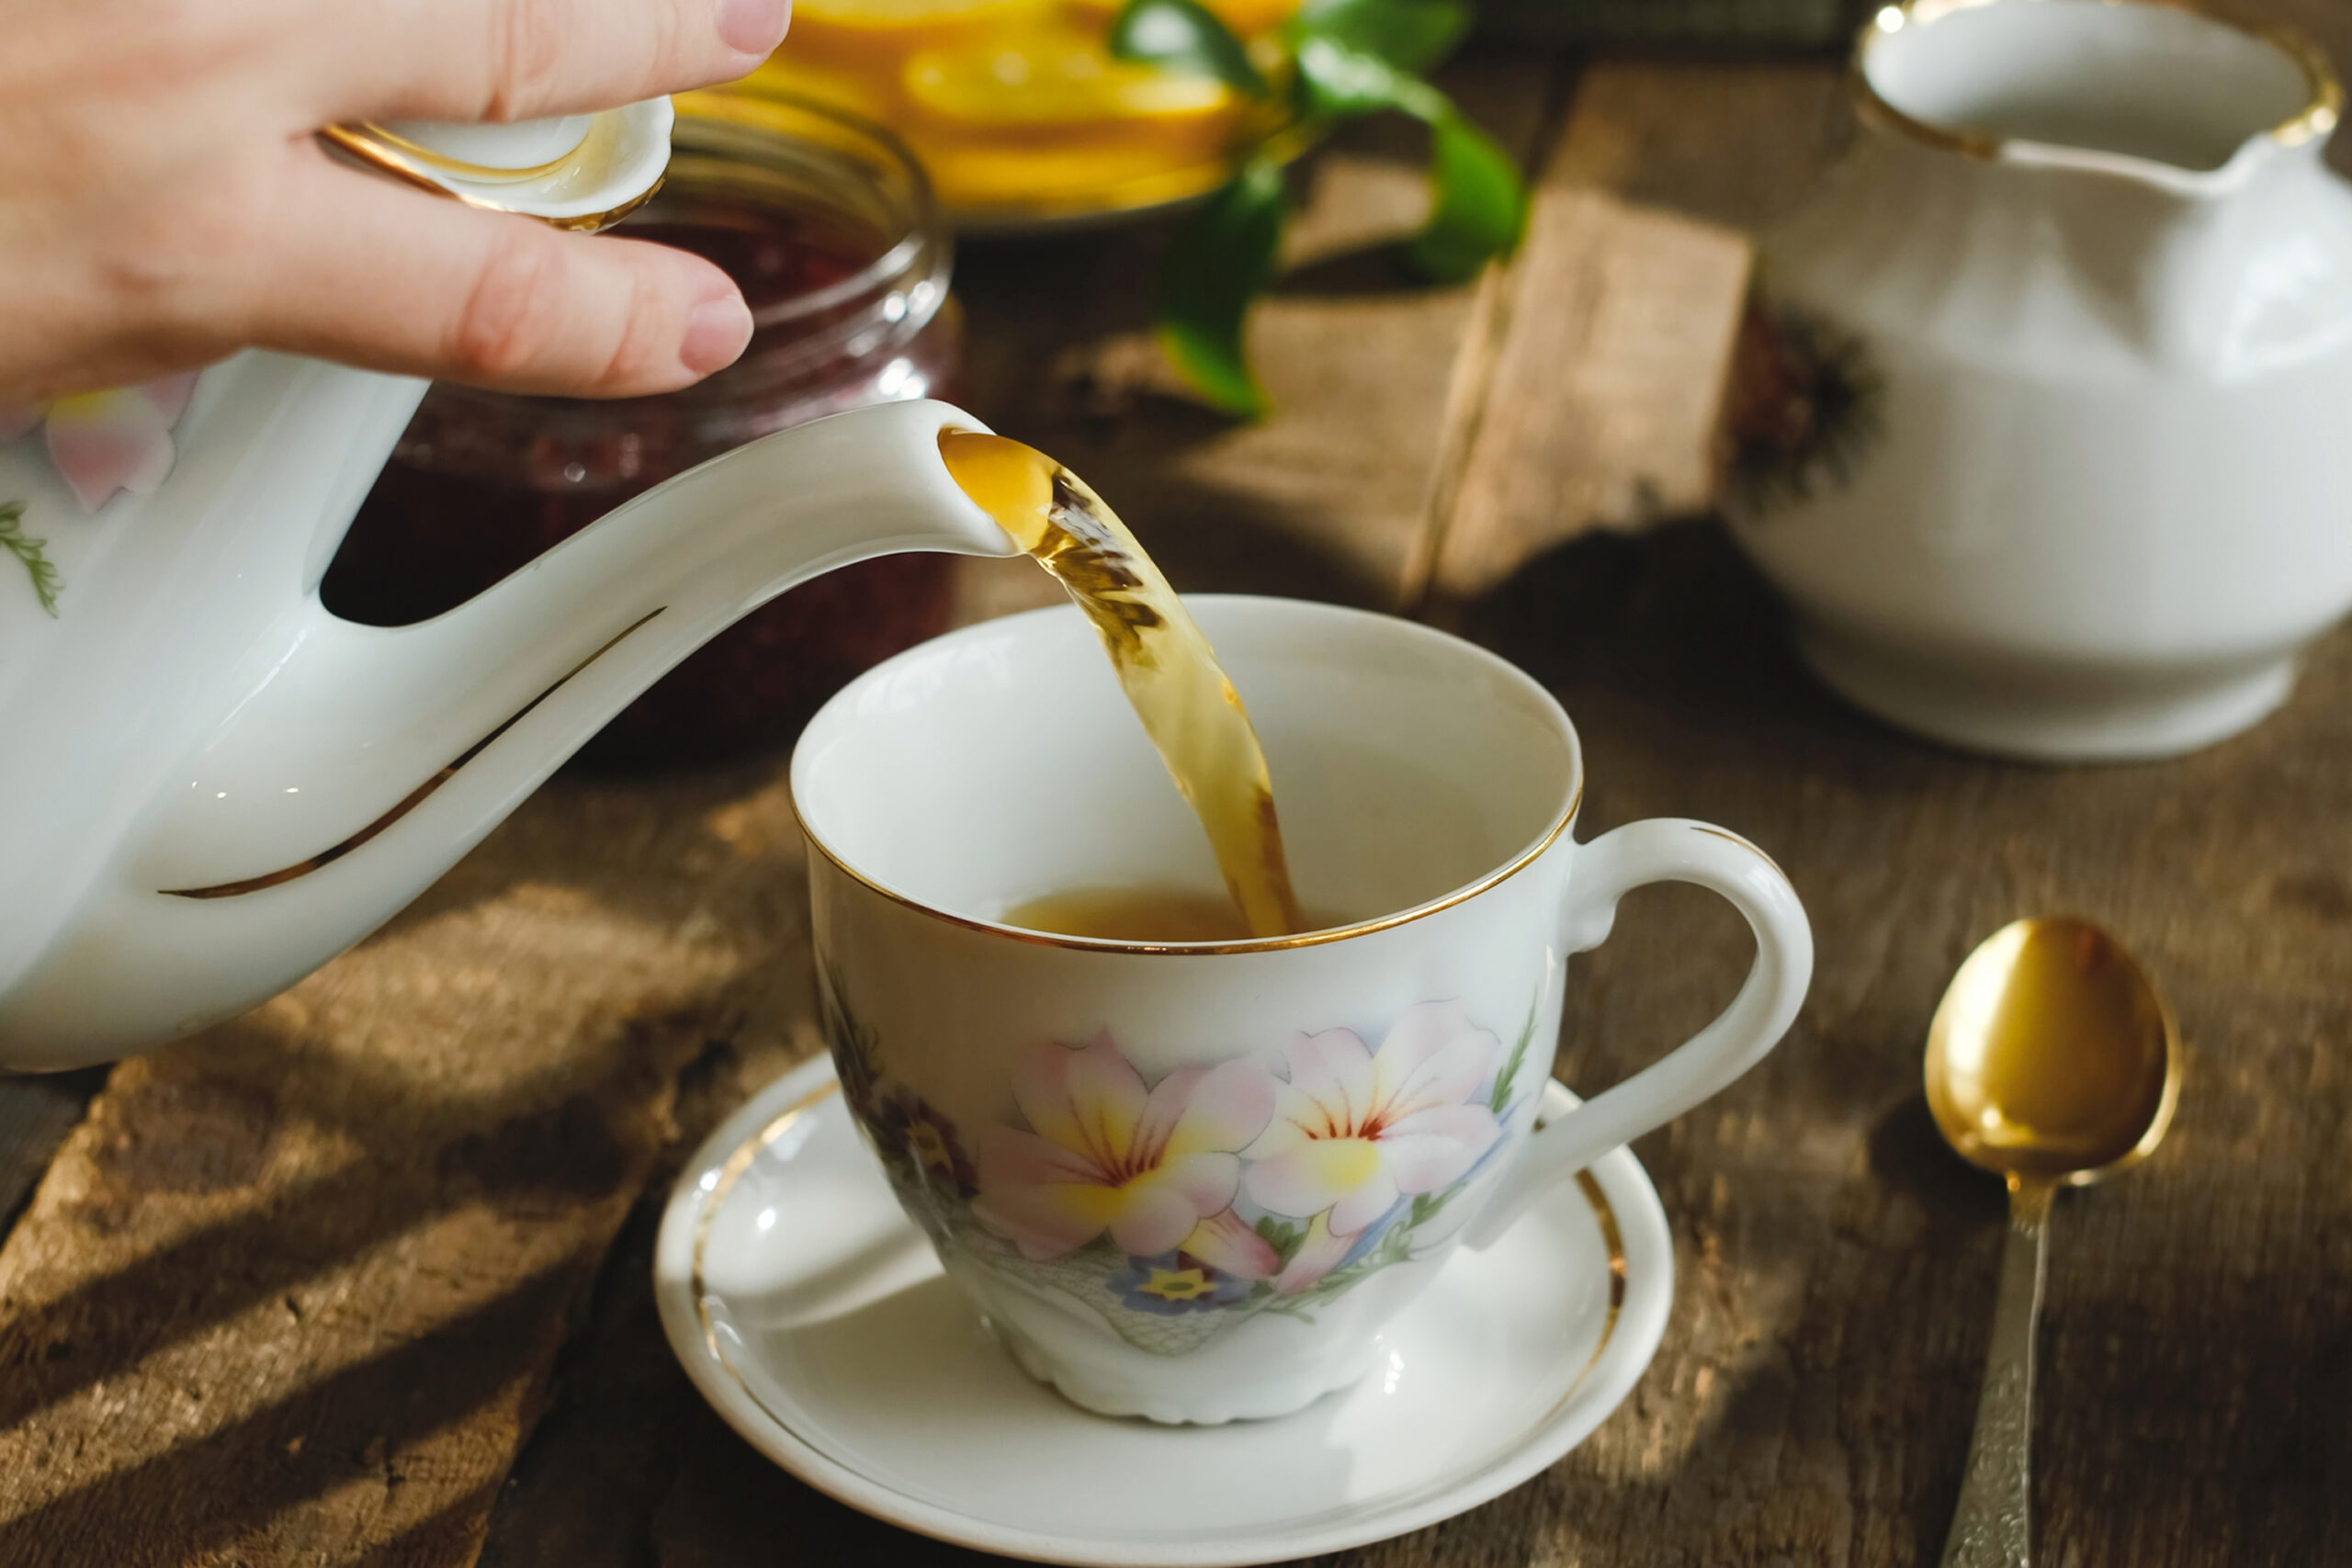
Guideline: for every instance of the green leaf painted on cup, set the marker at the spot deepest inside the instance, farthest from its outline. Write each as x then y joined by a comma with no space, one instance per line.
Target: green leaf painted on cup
1281,1235
33,553
1506,1080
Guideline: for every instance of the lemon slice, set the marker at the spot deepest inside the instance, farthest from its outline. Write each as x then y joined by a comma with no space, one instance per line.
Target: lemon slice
1248,18
1054,177
1055,79
900,12
855,91
878,34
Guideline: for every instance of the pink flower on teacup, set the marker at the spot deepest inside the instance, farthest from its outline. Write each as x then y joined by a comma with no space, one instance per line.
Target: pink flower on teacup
1354,1131
104,442
1154,1168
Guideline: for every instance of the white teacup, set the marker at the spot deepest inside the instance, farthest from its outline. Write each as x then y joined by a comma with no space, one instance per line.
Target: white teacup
1194,1181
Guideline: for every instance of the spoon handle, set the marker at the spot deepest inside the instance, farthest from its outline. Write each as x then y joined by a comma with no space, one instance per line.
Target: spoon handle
1989,1529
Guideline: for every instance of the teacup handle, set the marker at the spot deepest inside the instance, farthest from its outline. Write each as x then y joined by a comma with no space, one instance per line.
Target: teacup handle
1667,848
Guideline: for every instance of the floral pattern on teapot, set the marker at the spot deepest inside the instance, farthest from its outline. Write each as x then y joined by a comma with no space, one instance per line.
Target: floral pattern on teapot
1175,1208
101,444
1800,409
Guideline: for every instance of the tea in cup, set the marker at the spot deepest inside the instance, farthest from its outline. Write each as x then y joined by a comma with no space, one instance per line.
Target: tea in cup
1185,1172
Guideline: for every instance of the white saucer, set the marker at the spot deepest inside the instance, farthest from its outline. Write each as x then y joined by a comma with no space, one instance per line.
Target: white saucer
814,1317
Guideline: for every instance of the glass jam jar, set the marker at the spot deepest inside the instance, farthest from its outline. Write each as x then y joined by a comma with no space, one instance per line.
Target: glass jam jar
828,225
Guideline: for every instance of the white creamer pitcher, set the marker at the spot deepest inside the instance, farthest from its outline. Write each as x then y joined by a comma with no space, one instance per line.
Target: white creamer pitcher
213,786
2043,417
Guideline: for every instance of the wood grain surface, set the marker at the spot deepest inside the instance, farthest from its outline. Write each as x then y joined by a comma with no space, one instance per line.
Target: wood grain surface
363,1277
291,1294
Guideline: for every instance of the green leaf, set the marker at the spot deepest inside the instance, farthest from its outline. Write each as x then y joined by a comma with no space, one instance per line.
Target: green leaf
1504,1079
1283,1237
1480,206
1352,58
1185,35
1220,260
1338,81
33,553
1411,35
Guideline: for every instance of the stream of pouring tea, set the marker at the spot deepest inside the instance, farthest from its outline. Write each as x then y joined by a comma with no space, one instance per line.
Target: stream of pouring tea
1188,706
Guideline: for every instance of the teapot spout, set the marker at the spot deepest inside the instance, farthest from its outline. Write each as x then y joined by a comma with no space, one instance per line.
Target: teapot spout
364,759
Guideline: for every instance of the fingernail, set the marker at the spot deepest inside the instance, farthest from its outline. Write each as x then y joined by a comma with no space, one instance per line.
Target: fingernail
716,335
754,26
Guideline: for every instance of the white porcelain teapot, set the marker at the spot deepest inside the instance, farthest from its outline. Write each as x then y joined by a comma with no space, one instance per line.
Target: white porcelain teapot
2043,418
212,784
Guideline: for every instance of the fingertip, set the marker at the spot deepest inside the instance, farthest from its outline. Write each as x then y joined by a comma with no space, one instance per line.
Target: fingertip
754,26
717,331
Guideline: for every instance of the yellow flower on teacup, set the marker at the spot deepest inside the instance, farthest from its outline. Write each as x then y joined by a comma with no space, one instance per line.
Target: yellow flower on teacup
1354,1131
1154,1168
106,441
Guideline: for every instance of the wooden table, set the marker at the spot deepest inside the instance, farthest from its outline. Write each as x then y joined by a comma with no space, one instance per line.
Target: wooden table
362,1277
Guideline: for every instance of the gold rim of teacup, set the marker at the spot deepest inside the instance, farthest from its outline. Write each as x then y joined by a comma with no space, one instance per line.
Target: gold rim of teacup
1462,894
2322,106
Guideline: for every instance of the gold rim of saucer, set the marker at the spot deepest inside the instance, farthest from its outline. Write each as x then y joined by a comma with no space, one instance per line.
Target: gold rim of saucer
2322,106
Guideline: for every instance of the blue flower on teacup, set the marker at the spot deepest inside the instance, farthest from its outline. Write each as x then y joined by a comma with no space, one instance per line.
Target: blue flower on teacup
1176,1283
1156,1168
928,1139
106,441
1354,1133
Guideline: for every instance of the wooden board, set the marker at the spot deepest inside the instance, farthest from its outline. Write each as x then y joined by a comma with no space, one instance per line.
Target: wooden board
1610,335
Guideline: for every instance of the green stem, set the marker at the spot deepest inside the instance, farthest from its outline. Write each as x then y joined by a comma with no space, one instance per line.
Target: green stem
46,581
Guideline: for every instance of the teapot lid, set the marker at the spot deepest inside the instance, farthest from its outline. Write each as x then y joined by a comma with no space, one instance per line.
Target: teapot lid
581,172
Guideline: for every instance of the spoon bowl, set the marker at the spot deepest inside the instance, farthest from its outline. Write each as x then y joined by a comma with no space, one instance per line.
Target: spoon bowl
2052,1061
2053,1056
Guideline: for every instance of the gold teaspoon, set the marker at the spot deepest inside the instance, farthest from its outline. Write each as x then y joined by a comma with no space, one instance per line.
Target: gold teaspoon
2051,1061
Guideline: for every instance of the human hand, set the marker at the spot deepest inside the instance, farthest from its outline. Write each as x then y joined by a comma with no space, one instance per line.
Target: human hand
164,201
